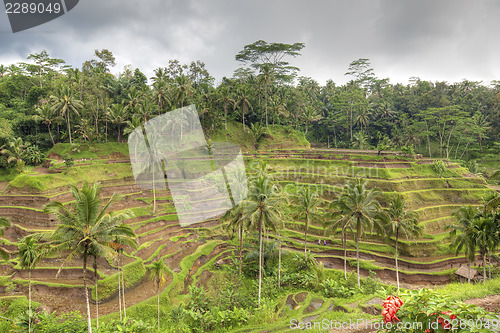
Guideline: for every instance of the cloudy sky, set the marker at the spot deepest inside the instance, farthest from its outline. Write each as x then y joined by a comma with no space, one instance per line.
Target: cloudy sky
434,40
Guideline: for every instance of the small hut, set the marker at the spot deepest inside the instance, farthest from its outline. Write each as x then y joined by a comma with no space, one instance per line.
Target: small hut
463,273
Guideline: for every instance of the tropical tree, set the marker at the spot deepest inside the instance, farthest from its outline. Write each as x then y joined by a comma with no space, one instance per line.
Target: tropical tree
243,101
15,151
400,221
261,209
359,208
339,222
65,103
118,115
226,100
360,140
308,203
462,233
157,273
46,115
87,227
257,131
4,223
29,254
310,115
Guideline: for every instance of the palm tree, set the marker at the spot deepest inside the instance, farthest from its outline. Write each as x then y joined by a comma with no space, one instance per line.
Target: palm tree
15,150
29,253
257,131
266,78
133,100
46,115
462,233
361,140
308,203
261,210
310,115
157,274
345,225
483,234
400,221
244,103
64,102
160,95
226,101
4,223
359,208
117,114
183,89
89,227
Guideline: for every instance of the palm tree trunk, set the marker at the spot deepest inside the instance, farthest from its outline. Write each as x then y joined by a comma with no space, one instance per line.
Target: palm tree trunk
69,126
260,262
305,242
119,291
468,275
29,300
96,294
225,116
344,241
123,289
89,323
397,271
154,192
158,306
119,134
243,117
489,265
484,266
279,259
50,133
357,256
241,249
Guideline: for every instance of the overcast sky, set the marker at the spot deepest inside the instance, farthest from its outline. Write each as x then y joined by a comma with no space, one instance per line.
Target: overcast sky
432,39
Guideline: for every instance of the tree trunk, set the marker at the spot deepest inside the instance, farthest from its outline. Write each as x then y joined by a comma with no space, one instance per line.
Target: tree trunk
69,127
305,241
279,259
344,241
241,248
397,271
96,294
468,274
158,306
89,322
119,289
119,134
50,133
243,117
357,254
154,192
225,116
489,265
123,289
29,300
484,266
260,262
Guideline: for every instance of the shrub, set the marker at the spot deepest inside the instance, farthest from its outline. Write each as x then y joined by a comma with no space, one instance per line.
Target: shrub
439,167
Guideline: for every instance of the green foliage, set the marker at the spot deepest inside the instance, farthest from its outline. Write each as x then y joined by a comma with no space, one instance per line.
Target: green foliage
125,326
72,322
439,167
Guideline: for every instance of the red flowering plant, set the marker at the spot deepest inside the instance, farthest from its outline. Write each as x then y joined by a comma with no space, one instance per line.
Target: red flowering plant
427,311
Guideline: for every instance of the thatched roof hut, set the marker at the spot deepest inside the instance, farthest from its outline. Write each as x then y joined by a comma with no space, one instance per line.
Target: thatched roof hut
463,272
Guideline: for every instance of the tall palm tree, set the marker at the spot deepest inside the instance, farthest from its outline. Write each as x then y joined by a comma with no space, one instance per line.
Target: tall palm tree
4,223
226,100
118,115
344,225
161,95
308,203
183,89
29,254
360,208
157,273
483,234
400,221
266,78
462,233
309,115
244,103
46,115
89,226
65,103
133,100
261,209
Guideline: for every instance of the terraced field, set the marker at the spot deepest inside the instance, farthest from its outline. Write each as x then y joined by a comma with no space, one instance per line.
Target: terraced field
192,251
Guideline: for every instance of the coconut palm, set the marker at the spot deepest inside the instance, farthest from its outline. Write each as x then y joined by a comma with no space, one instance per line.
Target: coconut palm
344,224
157,273
483,232
462,233
266,78
359,208
118,115
400,221
308,203
262,212
29,254
226,100
46,115
87,227
15,150
4,223
65,103
183,90
243,101
160,95
309,115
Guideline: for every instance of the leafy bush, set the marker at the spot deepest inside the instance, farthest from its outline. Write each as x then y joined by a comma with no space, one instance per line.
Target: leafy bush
336,288
439,167
72,322
125,326
408,151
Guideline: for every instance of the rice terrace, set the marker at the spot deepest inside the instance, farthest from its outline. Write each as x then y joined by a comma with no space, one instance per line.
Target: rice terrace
369,203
